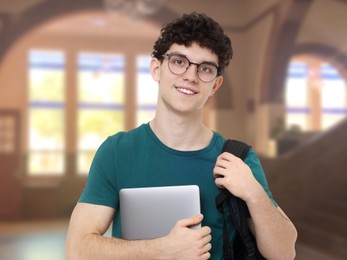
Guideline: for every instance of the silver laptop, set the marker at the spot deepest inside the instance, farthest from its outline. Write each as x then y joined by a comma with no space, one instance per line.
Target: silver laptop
148,213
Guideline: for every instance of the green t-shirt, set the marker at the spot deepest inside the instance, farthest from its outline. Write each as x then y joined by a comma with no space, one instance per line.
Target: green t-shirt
139,159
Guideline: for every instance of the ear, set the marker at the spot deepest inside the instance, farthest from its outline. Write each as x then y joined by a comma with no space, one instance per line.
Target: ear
217,85
155,69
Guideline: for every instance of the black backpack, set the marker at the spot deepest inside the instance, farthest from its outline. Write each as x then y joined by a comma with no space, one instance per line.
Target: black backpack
244,245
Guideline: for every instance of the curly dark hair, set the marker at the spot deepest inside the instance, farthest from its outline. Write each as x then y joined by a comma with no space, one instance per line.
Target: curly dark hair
198,28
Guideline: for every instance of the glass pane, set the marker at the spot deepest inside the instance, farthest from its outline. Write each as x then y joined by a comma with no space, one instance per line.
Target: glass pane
46,163
296,96
84,160
101,78
101,103
46,112
96,125
46,129
331,119
333,89
46,76
296,85
7,134
295,120
333,96
147,90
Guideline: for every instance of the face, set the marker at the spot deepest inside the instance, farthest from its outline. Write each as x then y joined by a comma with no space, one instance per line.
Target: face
186,92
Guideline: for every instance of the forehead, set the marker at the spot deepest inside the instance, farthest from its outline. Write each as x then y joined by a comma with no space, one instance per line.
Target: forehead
194,52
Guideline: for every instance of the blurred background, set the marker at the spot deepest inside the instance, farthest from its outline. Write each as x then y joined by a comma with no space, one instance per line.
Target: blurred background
74,72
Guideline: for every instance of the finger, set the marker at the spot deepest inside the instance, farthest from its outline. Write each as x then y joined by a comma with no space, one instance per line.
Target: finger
226,161
227,156
206,255
207,247
232,158
222,163
219,172
194,220
205,231
220,182
206,239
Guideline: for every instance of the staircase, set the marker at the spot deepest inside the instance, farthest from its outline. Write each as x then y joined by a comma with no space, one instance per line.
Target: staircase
310,184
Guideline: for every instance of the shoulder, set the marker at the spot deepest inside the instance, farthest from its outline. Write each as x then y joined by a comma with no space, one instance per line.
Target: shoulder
218,140
126,137
119,141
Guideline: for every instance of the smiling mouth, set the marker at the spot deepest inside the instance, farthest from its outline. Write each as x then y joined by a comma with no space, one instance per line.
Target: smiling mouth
186,91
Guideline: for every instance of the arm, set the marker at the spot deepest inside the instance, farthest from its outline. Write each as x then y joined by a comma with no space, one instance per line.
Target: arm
89,222
274,232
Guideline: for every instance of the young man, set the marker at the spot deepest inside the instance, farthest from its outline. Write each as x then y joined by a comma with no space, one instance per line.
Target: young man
175,148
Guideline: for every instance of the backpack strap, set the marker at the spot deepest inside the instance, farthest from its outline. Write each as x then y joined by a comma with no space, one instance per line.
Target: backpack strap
237,208
237,148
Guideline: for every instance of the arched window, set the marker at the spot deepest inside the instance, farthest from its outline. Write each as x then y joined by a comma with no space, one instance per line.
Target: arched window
316,96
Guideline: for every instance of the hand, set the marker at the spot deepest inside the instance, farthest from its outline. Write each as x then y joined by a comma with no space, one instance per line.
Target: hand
185,243
233,174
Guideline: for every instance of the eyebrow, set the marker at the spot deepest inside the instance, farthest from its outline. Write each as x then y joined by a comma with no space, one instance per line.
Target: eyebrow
180,54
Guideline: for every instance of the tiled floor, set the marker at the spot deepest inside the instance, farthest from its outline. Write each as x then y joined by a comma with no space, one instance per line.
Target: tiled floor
33,241
46,241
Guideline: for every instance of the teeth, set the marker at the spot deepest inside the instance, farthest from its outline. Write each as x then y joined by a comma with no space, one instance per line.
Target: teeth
186,91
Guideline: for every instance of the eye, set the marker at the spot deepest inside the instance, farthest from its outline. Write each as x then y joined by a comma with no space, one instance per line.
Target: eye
178,61
207,68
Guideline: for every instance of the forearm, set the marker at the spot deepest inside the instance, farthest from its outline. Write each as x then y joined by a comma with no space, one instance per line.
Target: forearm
89,222
95,246
274,232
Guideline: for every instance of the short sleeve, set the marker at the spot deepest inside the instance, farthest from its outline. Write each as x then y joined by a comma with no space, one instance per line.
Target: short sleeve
101,187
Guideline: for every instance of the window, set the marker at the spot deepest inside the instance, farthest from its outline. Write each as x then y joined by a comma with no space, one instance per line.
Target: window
147,90
97,106
296,96
315,95
100,102
46,112
333,96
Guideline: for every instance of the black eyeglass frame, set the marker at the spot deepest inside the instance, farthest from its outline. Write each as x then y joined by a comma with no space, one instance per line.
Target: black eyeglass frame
169,55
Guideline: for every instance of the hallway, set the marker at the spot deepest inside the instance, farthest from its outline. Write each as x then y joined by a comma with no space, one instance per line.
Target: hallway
42,175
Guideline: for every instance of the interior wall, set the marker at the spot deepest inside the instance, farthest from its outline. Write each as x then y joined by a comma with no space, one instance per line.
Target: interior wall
243,118
258,39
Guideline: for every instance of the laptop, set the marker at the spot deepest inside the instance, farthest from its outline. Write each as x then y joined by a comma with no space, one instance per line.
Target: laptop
147,213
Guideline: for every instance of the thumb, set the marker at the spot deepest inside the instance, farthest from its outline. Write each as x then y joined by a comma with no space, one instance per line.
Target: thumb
194,220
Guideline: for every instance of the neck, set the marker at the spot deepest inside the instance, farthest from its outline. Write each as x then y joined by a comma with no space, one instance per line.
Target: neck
181,133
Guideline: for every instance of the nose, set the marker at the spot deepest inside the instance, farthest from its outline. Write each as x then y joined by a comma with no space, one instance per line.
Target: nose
191,73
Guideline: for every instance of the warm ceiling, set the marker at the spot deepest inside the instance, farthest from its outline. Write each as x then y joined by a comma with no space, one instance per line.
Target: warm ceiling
324,23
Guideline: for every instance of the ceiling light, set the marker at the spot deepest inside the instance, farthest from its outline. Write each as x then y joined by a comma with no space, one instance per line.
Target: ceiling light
134,8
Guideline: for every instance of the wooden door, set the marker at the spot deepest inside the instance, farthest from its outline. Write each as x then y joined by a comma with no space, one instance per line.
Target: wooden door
10,199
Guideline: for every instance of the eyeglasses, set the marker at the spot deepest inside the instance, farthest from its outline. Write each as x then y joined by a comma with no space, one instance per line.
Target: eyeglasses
179,64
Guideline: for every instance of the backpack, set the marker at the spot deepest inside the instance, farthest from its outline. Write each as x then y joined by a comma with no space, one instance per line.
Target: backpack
244,246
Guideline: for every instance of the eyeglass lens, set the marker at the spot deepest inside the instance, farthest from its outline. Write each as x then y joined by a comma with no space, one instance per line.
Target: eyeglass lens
179,64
